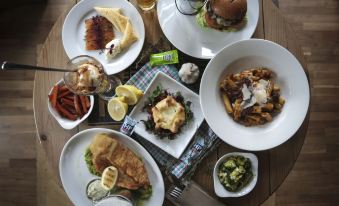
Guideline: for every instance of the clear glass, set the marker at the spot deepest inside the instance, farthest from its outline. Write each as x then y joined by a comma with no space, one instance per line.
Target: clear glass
189,7
146,5
89,78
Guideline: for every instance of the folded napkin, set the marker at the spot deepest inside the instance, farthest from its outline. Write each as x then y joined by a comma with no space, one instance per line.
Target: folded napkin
203,142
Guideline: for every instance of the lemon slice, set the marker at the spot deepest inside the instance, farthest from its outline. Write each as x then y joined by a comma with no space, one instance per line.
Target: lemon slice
131,93
109,177
117,108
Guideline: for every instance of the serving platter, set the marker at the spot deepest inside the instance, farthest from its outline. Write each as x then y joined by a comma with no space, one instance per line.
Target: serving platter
73,33
176,146
206,42
290,76
75,176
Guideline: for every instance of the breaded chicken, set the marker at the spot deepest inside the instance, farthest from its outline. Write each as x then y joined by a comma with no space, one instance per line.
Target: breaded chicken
108,151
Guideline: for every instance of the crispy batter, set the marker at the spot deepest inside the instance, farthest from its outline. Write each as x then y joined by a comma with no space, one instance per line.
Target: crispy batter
109,151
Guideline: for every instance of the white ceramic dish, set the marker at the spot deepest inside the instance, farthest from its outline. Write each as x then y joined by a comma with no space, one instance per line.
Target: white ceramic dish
221,191
63,122
75,176
290,77
73,33
206,42
177,146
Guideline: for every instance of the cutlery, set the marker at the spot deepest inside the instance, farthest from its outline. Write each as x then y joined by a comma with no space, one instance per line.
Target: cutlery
13,66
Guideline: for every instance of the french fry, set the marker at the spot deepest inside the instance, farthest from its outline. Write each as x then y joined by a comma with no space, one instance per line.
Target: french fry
83,104
70,97
71,109
77,105
88,103
67,102
65,113
65,93
227,103
54,95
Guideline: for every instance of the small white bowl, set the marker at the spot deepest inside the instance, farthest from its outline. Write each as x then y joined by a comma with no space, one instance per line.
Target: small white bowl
221,191
66,123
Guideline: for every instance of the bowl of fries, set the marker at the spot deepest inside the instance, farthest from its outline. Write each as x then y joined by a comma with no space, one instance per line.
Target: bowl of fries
254,94
68,109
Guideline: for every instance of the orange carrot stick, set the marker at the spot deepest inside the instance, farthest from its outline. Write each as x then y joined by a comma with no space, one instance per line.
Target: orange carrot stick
67,102
88,103
65,113
54,95
63,88
64,94
83,104
77,105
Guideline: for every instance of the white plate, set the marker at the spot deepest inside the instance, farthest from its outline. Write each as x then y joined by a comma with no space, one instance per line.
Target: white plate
73,33
75,176
205,42
221,191
177,146
290,77
66,123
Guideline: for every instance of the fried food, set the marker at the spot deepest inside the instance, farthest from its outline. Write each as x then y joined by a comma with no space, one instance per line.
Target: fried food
108,151
99,31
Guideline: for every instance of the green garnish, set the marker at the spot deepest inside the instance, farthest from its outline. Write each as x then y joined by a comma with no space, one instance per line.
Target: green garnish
235,173
89,162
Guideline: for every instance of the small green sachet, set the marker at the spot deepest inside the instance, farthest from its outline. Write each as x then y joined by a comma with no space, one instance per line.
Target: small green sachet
169,57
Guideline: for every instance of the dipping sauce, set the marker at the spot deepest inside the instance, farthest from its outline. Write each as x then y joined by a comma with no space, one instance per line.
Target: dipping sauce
114,200
95,191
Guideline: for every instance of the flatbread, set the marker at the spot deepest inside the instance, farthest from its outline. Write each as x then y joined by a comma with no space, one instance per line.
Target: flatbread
115,16
129,36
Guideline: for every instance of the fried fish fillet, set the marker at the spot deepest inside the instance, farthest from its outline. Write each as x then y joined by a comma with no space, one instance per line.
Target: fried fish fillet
99,31
108,151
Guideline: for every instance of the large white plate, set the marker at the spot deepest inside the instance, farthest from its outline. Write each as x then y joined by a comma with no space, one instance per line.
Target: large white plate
177,146
290,77
73,33
74,173
185,33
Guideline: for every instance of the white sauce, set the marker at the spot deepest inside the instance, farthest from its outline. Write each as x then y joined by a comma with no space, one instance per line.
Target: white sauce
95,191
112,49
116,201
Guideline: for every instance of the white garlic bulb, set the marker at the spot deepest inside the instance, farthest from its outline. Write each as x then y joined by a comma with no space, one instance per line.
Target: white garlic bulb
189,73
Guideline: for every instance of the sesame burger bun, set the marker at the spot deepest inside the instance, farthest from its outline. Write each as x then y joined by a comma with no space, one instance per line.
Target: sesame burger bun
229,9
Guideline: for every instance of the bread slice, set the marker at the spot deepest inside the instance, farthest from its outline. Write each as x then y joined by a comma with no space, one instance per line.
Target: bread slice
115,16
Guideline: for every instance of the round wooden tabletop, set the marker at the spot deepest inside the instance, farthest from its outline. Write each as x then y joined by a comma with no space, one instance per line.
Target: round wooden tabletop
274,164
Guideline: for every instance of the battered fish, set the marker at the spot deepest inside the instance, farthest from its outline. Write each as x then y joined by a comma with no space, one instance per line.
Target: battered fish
108,151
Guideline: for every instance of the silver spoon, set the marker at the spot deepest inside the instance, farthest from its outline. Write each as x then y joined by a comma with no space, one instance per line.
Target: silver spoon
13,66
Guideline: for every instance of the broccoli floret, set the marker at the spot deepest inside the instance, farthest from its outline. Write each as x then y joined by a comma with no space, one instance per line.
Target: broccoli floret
230,164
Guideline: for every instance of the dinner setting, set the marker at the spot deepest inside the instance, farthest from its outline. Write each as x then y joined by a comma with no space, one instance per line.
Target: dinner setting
170,102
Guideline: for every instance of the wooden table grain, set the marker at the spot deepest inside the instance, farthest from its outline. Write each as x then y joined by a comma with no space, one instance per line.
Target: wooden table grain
274,164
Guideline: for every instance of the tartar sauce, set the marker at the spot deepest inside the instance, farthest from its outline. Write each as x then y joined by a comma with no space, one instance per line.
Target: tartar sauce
95,191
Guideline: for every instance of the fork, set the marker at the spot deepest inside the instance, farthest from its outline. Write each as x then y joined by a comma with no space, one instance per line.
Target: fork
191,195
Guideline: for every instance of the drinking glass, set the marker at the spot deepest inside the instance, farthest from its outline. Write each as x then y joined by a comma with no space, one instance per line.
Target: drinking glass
89,78
189,7
146,5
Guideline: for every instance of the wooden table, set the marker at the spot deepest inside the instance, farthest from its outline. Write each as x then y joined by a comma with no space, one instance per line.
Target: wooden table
274,164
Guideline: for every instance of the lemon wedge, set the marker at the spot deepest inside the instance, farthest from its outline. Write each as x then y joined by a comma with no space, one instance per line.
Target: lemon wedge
109,177
131,93
117,108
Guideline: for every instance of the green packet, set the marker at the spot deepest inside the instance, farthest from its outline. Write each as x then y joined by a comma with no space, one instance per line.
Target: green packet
169,57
